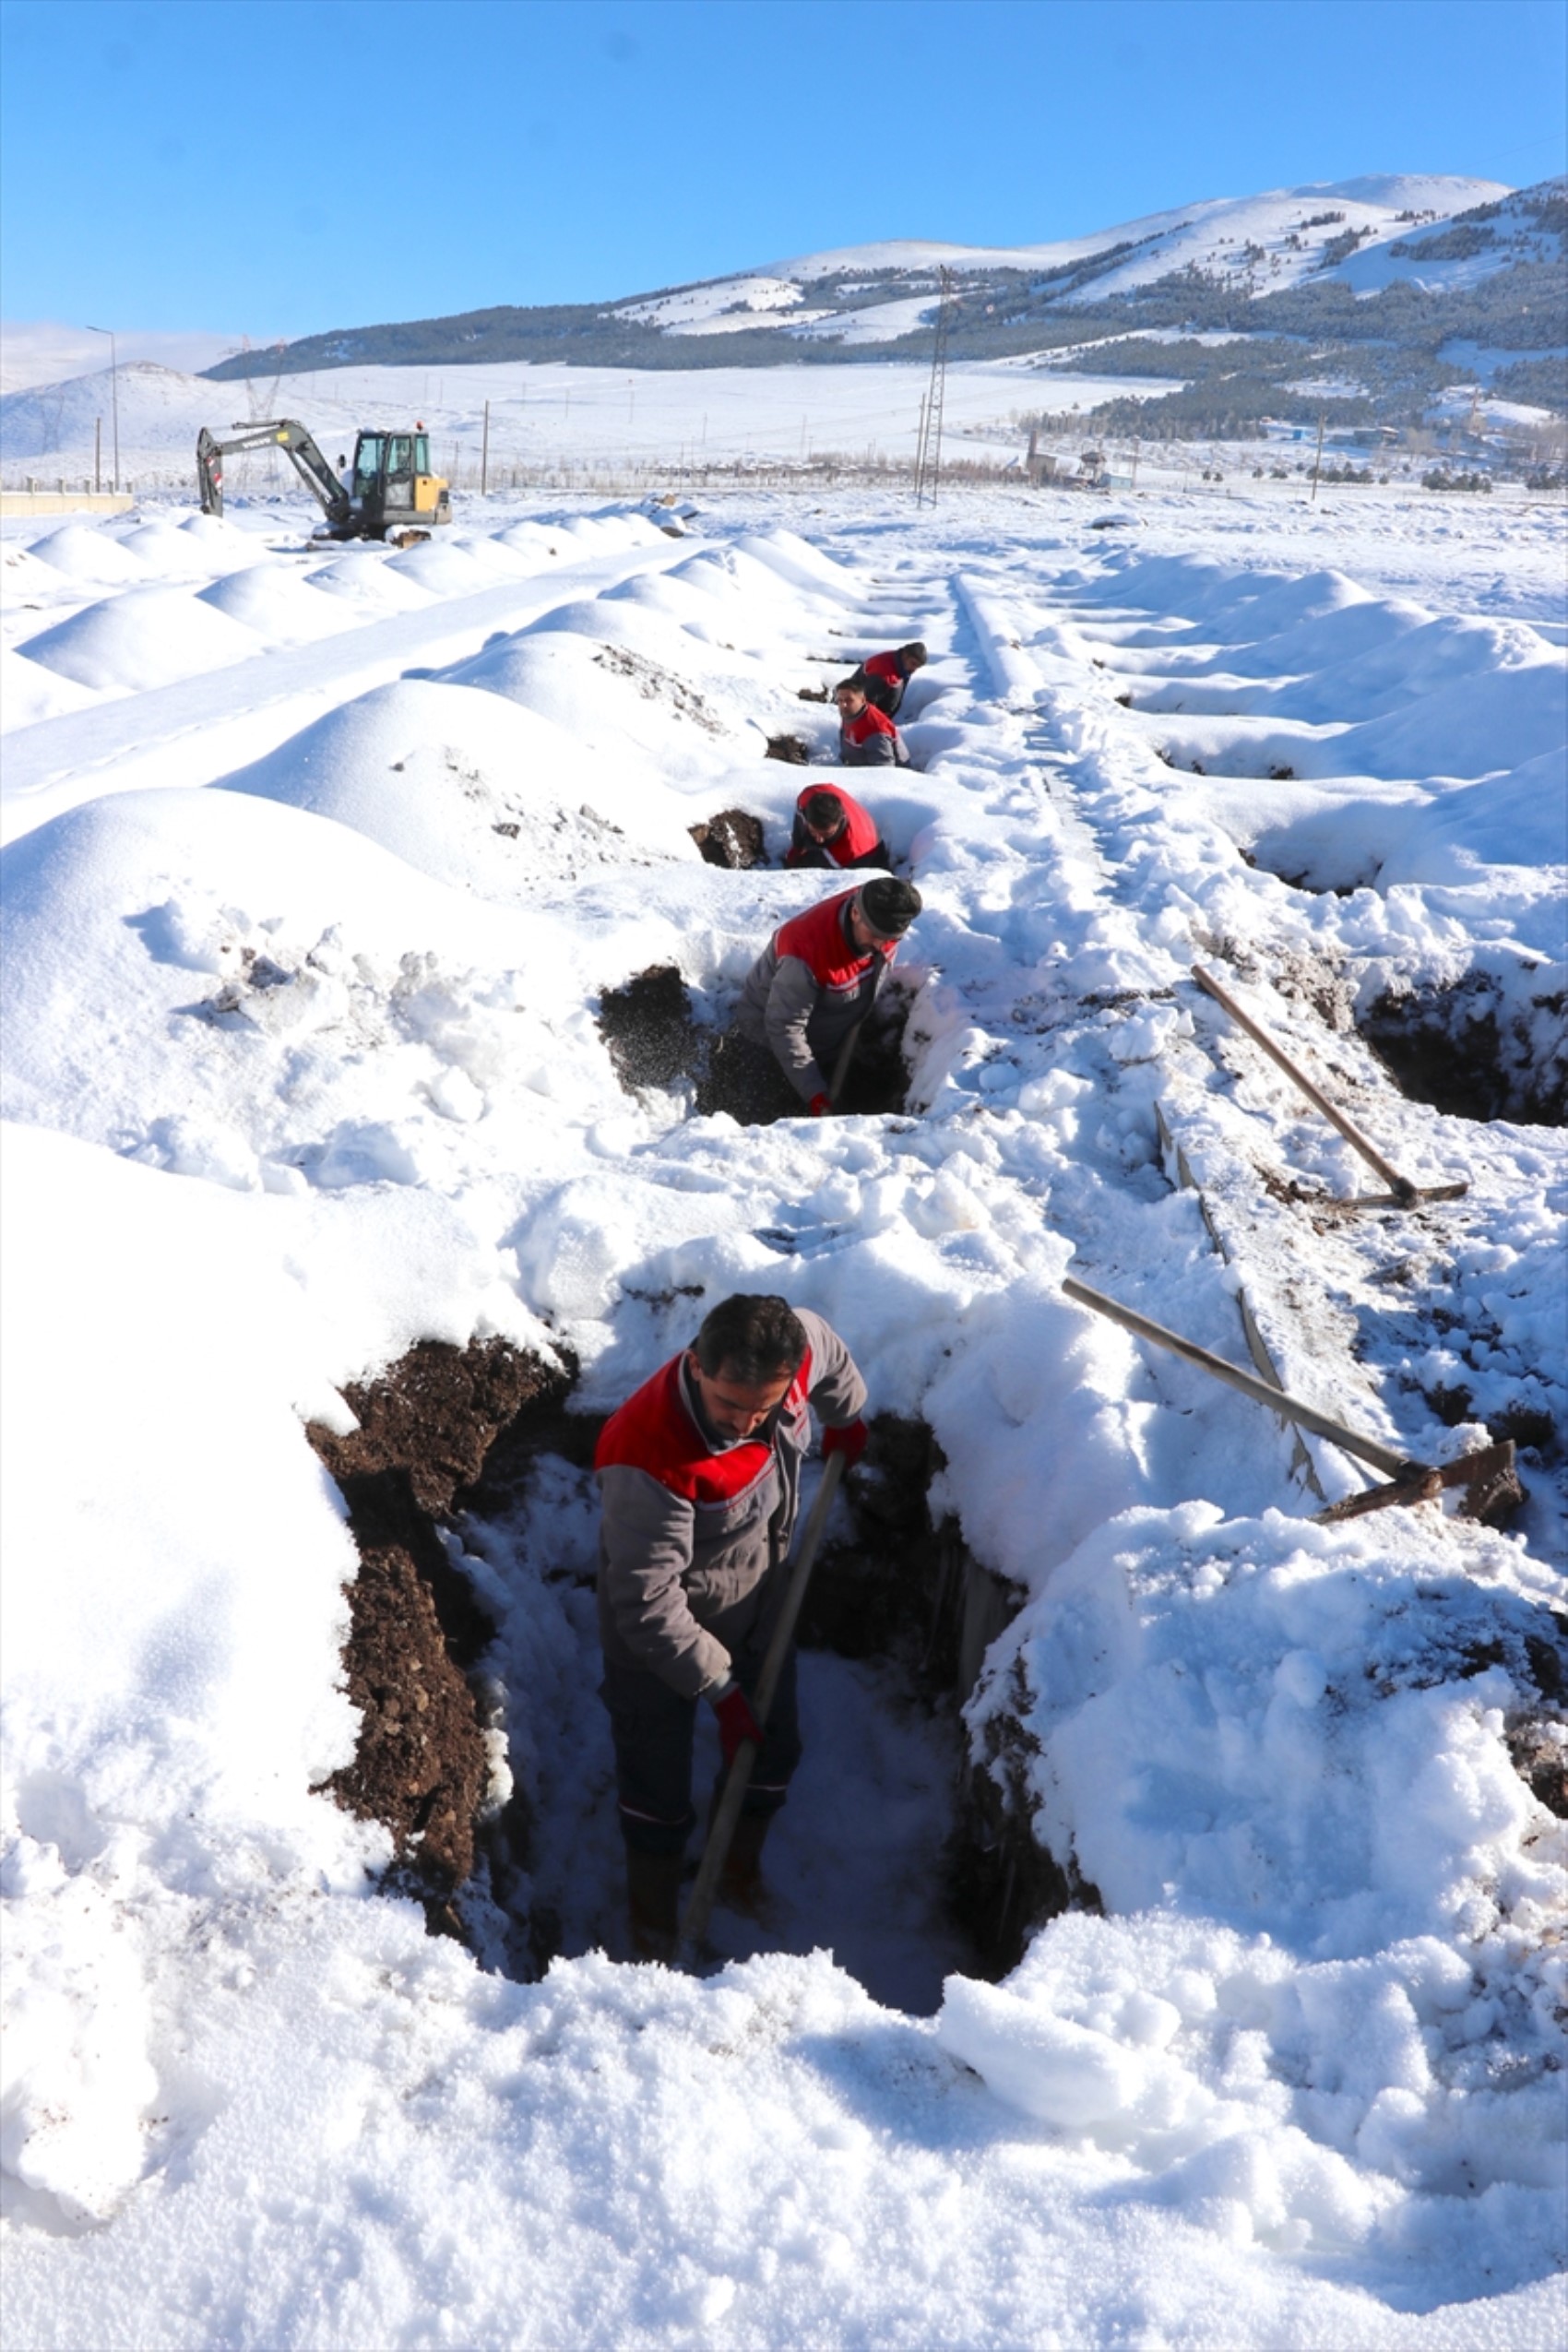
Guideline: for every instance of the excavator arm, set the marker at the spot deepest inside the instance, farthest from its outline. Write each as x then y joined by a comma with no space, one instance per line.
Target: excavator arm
286,433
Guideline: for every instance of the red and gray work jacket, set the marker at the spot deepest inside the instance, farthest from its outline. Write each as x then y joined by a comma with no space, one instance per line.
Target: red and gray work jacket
870,740
859,844
694,1529
808,989
887,679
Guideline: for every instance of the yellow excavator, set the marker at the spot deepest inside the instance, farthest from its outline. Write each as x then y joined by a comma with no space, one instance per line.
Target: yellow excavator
388,492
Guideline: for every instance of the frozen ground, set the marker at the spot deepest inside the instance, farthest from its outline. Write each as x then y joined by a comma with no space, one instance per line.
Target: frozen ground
307,923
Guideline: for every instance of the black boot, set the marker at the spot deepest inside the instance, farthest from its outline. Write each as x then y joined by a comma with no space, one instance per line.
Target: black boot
653,1888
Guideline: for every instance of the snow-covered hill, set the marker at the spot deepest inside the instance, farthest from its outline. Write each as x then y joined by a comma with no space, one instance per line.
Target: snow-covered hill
1271,241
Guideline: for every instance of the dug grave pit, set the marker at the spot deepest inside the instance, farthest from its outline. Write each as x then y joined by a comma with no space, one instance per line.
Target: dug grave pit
890,1851
1473,1050
655,1040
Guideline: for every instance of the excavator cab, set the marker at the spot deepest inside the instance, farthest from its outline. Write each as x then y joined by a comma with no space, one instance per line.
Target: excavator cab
393,485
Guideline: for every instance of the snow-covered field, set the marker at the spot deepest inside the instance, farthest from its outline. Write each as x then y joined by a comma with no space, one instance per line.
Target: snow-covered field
555,416
319,863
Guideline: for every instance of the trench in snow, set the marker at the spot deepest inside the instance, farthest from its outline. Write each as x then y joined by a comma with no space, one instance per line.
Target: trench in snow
470,1490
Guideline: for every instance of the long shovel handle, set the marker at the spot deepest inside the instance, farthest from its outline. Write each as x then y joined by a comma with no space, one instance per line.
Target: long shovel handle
1404,1192
699,1908
841,1067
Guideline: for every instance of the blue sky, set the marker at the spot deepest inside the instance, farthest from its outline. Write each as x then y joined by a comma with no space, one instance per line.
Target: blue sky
274,167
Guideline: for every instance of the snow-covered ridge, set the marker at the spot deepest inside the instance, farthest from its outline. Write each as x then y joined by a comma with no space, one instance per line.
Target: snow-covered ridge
1281,235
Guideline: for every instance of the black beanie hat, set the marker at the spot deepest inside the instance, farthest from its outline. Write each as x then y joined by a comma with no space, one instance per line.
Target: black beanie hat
889,906
824,807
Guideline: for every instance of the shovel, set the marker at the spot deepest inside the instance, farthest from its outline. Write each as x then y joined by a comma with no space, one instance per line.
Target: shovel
841,1067
693,1927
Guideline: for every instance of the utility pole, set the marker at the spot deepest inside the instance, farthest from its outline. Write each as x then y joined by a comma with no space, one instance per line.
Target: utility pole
97,454
484,454
928,472
1317,461
113,391
1134,483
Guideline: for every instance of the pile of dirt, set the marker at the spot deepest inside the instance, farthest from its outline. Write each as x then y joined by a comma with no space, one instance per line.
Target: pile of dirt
791,748
732,839
647,1024
417,1630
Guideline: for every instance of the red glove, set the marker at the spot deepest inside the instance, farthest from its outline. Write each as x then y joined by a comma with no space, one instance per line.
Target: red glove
820,1105
850,1440
737,1724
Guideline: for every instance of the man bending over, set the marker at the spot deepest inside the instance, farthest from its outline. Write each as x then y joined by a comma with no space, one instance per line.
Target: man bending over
832,829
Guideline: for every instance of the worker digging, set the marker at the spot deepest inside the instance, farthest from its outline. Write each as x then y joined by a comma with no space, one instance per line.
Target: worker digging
699,1476
806,1003
867,737
832,829
886,675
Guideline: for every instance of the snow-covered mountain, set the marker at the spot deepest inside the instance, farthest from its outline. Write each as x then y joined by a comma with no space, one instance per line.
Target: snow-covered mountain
1269,241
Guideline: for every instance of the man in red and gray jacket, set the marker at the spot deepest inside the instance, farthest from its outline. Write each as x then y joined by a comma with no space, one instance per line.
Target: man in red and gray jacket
816,981
700,1474
886,675
866,739
832,829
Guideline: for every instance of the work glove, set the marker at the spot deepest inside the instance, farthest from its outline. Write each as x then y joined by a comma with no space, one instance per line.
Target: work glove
850,1440
820,1105
737,1724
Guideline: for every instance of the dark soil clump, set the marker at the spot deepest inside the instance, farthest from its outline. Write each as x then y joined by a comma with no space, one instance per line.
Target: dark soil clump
648,1029
416,1626
732,839
791,748
1472,1054
745,1080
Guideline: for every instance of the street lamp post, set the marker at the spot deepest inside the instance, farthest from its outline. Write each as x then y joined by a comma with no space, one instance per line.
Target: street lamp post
114,393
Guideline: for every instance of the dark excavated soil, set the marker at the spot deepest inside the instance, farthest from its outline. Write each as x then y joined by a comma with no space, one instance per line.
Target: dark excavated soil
416,1627
653,1040
732,839
794,749
647,1027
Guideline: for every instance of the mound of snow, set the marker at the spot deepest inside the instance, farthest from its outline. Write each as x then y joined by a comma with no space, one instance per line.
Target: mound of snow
84,554
471,789
145,637
367,575
1516,820
604,690
30,693
444,567
279,604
